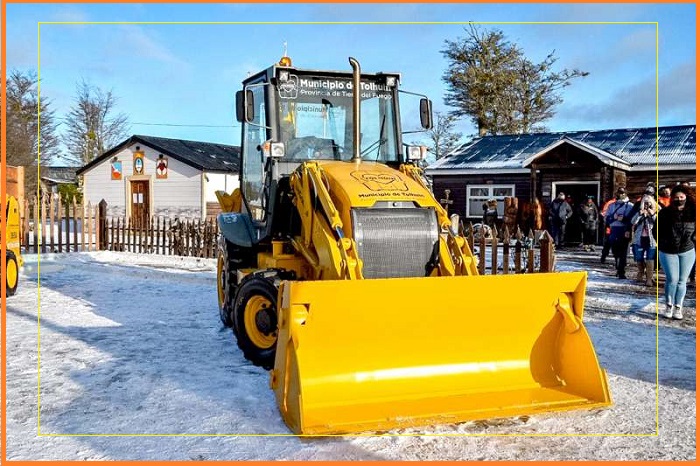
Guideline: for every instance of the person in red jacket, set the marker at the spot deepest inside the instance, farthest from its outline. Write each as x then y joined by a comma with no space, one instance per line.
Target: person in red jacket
664,196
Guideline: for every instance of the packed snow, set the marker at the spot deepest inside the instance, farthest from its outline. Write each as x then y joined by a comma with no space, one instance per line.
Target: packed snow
135,365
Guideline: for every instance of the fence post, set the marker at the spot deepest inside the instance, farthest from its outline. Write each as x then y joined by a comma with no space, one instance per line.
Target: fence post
83,226
67,220
506,251
59,214
51,223
102,226
546,255
75,226
518,256
36,225
171,237
43,203
494,254
470,236
482,254
90,229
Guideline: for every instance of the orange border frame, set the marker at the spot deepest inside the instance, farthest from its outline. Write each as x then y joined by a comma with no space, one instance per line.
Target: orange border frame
3,167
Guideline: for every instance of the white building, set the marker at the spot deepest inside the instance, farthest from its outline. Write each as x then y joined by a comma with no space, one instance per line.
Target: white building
151,176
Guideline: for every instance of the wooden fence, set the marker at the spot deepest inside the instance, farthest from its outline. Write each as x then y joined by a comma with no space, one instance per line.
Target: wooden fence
159,235
505,252
52,226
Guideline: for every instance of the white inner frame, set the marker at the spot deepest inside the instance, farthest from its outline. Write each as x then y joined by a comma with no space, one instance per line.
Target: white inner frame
490,187
555,189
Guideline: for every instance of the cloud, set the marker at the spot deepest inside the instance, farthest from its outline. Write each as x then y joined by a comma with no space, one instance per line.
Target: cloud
70,15
635,105
133,40
634,48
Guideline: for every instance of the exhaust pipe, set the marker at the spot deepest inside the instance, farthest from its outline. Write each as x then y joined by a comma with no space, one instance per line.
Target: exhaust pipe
356,157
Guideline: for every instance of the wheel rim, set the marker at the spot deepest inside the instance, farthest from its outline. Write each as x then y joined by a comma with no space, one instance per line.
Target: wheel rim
220,281
258,318
11,274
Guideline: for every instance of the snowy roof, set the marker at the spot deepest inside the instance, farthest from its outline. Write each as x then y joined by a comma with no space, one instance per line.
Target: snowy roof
204,156
625,147
59,175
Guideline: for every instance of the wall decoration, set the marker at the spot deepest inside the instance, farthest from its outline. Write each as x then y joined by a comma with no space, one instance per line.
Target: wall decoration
116,170
162,167
138,162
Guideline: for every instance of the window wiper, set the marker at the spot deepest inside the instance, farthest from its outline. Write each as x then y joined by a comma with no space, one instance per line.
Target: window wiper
381,141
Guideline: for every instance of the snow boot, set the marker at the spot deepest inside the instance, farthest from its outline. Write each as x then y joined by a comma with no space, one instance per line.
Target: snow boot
640,271
677,313
669,311
650,273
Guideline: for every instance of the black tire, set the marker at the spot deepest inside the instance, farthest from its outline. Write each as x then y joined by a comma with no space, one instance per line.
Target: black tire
12,271
230,258
255,319
226,281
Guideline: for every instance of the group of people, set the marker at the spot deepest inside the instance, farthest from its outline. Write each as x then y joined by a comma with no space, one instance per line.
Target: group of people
560,213
665,226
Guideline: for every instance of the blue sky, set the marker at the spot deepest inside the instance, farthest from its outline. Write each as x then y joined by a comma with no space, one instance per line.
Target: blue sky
188,74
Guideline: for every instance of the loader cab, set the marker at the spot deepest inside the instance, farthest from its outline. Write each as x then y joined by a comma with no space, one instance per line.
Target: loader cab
291,115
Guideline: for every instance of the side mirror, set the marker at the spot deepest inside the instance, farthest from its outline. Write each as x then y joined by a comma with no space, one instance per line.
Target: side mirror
245,106
426,113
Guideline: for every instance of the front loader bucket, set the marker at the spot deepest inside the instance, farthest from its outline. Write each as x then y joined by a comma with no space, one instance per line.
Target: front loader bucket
366,355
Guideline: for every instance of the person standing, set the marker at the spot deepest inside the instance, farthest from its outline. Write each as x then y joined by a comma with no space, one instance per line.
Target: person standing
588,214
643,239
606,236
619,220
677,248
664,196
559,213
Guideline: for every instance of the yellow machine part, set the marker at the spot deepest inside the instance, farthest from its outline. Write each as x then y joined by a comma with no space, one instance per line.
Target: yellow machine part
365,355
229,202
12,230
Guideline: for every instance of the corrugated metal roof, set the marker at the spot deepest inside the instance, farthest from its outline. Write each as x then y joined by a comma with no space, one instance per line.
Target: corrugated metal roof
204,156
634,146
59,175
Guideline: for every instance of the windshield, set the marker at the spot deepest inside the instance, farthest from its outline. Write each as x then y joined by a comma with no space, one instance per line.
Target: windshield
315,119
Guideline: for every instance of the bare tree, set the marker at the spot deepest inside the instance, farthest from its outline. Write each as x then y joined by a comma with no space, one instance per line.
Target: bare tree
91,125
490,80
442,136
31,126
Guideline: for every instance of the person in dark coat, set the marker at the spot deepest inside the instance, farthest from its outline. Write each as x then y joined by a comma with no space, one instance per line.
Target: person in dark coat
606,237
619,219
588,215
676,245
559,213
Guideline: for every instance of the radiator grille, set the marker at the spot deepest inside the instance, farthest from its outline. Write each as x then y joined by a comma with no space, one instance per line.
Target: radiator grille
395,242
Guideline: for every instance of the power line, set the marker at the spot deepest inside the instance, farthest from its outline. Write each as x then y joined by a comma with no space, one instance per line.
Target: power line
173,124
190,126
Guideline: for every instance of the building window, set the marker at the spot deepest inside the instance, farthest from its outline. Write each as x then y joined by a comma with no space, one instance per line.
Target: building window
478,194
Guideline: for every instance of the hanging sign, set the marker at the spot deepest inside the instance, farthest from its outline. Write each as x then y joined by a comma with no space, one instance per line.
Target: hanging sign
116,170
138,162
162,168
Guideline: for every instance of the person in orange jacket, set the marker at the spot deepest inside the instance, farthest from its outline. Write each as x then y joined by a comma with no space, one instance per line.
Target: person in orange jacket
664,196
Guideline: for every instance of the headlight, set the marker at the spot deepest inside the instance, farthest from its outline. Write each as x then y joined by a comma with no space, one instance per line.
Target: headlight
273,149
416,152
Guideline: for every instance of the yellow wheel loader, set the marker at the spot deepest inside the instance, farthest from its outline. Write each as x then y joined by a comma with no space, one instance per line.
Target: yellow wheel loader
13,258
340,273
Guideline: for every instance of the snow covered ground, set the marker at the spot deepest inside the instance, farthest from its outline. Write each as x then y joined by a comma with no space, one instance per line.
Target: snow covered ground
132,344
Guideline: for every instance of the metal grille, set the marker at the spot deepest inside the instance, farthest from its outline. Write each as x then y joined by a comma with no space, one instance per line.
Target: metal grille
395,242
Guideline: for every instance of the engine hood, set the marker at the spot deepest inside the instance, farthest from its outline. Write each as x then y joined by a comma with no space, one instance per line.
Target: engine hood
363,184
